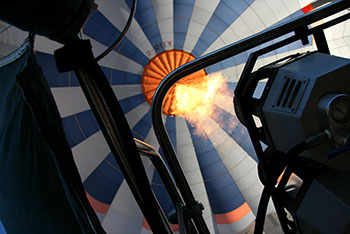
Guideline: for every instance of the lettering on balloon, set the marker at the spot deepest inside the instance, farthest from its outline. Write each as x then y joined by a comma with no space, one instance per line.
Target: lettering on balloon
159,46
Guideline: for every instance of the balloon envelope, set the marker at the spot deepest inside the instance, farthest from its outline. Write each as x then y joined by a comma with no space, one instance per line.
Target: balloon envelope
217,157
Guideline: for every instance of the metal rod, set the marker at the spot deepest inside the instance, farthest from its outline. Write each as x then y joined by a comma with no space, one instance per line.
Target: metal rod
149,152
115,128
210,59
122,34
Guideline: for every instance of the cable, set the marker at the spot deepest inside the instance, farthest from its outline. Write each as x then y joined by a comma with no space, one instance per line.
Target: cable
121,36
268,190
262,208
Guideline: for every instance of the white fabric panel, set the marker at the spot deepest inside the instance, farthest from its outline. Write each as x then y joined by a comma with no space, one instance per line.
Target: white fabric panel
338,38
148,167
111,10
232,74
266,60
136,114
229,36
90,153
100,216
279,8
202,11
145,231
45,45
152,139
12,36
262,9
115,60
70,100
125,91
188,160
238,226
119,19
237,161
247,24
272,225
254,20
6,49
194,31
164,11
124,215
305,2
293,5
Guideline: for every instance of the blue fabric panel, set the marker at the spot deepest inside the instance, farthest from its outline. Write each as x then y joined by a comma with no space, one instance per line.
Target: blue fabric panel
80,126
130,103
142,128
240,58
99,28
201,145
212,170
161,193
104,182
108,73
2,230
129,3
147,20
231,86
199,48
223,193
88,123
129,50
73,132
214,68
54,78
117,77
207,158
170,125
232,126
224,15
124,78
182,16
73,80
227,196
217,67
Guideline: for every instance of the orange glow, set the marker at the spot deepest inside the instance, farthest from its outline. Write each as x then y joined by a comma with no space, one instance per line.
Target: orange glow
194,97
159,67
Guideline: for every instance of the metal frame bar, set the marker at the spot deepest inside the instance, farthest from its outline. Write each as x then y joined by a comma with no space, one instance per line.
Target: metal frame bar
148,151
115,129
210,59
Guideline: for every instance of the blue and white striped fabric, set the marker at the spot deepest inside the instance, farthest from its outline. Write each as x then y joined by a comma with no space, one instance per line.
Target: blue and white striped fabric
220,167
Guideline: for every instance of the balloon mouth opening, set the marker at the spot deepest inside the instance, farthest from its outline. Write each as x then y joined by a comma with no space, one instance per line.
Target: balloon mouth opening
185,95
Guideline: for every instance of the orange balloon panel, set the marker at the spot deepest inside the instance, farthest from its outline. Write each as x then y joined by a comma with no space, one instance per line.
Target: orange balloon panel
159,67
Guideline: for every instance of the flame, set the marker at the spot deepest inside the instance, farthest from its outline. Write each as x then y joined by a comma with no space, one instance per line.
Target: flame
196,101
196,97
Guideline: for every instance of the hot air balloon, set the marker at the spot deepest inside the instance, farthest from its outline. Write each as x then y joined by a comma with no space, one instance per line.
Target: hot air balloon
213,148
